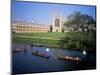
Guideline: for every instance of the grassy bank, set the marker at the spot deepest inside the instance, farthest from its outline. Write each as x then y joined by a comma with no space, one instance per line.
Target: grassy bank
70,40
35,41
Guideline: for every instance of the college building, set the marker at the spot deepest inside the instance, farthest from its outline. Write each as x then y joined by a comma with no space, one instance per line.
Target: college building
25,27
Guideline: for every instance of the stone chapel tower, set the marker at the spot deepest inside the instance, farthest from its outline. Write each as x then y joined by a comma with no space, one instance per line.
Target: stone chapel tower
56,26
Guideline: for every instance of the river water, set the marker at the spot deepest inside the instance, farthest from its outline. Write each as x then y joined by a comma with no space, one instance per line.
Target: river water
24,62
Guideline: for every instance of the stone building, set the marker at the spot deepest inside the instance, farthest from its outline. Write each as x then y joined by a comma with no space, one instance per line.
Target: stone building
57,22
25,27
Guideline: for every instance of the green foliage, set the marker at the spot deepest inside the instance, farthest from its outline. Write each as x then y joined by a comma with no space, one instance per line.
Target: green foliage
77,21
78,40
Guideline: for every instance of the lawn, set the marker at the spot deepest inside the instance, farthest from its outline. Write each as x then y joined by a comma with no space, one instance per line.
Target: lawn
45,35
48,39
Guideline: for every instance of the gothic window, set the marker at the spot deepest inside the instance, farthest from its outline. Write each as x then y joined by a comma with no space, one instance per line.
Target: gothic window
56,22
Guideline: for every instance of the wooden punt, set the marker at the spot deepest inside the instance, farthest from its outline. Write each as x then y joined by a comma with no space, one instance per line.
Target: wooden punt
69,58
40,54
17,50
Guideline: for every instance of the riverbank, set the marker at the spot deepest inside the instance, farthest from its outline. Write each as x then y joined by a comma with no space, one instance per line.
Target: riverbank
70,40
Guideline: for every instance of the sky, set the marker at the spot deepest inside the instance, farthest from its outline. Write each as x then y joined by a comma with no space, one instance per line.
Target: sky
43,12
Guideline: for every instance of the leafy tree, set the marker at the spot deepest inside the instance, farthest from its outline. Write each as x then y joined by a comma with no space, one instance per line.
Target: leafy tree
80,22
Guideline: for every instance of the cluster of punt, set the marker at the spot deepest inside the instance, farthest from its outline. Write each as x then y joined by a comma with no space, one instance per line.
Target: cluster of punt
37,53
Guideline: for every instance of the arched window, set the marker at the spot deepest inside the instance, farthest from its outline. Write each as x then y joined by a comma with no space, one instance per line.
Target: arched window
56,22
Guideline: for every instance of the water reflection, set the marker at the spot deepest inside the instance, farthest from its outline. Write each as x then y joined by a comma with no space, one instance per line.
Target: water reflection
25,62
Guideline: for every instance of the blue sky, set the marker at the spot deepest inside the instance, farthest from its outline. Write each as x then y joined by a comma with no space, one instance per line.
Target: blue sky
43,12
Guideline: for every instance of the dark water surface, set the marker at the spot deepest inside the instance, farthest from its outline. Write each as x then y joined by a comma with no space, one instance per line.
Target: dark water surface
24,62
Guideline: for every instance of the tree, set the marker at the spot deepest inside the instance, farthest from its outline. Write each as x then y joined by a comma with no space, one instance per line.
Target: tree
80,22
